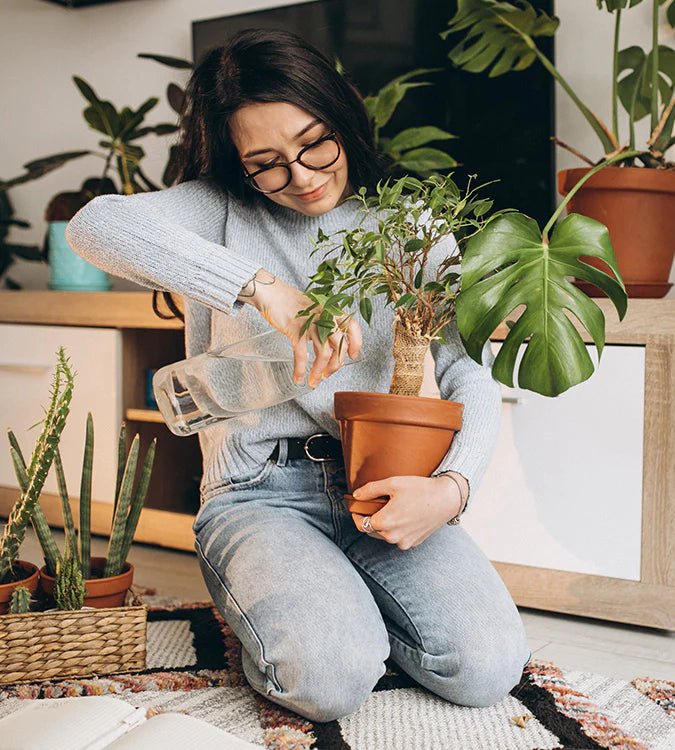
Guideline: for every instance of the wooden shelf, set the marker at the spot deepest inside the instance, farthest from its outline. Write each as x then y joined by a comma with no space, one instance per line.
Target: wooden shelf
91,309
144,415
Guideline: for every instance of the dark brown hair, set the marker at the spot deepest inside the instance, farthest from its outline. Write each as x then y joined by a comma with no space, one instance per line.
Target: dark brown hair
260,65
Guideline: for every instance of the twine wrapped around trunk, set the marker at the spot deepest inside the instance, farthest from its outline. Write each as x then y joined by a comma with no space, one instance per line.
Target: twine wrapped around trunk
409,353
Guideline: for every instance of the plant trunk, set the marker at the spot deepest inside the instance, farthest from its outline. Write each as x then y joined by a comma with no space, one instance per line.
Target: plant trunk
409,353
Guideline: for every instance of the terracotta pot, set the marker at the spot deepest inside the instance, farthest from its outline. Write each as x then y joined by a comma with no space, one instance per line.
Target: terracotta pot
100,592
385,435
638,207
30,581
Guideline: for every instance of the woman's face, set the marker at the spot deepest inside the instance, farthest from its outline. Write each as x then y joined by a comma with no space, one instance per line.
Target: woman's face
265,132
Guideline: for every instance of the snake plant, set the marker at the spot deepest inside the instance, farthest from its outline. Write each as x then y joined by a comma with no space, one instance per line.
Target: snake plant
38,468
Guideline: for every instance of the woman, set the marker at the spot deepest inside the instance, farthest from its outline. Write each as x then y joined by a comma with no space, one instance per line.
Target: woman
273,141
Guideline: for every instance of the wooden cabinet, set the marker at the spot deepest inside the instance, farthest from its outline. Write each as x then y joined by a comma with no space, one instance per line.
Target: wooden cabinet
577,510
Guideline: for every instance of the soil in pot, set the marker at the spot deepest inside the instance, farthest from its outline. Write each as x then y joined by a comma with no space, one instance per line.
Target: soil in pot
637,206
26,575
100,592
385,435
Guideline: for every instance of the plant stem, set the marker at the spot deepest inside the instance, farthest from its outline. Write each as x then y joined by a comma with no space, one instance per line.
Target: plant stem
655,64
619,157
615,76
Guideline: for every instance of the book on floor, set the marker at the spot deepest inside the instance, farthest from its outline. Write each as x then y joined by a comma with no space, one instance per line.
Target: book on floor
108,723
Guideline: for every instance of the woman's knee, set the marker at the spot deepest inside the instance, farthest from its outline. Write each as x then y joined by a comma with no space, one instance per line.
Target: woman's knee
324,687
477,676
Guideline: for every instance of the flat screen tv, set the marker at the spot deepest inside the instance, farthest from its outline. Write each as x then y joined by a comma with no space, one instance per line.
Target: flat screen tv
504,125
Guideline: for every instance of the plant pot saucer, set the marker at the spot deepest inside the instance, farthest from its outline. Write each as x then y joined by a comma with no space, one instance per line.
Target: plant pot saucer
365,507
640,289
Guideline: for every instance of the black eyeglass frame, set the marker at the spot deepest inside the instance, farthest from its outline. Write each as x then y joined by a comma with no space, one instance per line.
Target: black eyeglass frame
250,176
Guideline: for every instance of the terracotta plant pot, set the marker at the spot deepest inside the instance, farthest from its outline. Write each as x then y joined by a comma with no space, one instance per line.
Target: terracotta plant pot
385,435
30,581
638,207
100,592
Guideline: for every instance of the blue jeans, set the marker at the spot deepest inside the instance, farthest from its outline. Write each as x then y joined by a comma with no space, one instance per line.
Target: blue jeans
319,605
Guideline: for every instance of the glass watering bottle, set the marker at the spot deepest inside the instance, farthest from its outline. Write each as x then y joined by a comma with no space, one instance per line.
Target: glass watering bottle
250,374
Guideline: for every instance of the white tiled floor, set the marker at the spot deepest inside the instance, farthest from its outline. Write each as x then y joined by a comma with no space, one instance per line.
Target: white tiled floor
615,650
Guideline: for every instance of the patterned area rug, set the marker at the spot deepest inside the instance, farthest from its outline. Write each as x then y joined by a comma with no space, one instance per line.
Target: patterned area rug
194,666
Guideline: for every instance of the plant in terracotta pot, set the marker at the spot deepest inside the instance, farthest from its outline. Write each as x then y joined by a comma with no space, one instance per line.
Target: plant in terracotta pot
437,254
15,572
106,580
635,198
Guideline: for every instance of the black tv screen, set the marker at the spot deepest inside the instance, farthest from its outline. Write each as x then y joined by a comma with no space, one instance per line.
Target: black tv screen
504,125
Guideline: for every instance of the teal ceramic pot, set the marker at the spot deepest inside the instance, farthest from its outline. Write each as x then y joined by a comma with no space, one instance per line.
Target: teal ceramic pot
69,272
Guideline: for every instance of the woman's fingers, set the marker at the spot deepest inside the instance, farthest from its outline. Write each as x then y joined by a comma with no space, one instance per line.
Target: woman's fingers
300,357
354,338
323,354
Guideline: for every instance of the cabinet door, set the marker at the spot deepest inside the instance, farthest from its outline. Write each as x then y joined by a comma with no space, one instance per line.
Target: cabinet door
564,488
27,362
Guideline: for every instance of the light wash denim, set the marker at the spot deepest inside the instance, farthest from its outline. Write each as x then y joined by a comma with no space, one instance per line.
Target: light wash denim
319,605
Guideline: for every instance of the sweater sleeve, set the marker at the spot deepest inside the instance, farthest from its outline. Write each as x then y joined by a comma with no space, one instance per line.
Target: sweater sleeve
461,379
167,240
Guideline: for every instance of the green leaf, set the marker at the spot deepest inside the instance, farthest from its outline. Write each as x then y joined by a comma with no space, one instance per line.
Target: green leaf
172,62
366,309
426,159
86,90
413,137
507,265
413,246
638,81
389,97
405,300
612,5
499,36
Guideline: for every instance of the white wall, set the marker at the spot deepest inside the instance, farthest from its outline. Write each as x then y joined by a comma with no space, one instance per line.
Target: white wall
43,44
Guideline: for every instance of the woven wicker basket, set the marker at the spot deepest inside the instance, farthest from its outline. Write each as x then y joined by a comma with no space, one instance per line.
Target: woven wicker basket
39,646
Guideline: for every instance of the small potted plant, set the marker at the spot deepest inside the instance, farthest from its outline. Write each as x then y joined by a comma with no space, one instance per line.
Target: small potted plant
15,572
436,254
106,580
635,198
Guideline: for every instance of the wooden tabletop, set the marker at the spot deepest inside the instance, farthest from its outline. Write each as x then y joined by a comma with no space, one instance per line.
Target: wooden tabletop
94,309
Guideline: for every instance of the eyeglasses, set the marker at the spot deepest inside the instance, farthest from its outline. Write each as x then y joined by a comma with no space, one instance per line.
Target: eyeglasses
277,176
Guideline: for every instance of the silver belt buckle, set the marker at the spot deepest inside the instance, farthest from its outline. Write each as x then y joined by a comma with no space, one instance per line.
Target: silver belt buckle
307,444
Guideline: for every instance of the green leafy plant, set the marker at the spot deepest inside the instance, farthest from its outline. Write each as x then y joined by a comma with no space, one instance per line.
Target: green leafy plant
20,601
489,265
126,512
409,149
501,37
10,251
41,460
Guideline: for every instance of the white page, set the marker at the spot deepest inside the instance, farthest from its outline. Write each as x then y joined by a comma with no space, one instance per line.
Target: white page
172,731
83,723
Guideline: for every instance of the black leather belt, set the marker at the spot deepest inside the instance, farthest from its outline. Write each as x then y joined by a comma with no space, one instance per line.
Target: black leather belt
318,447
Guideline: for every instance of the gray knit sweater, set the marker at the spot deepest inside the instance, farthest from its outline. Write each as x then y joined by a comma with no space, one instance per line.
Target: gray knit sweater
194,240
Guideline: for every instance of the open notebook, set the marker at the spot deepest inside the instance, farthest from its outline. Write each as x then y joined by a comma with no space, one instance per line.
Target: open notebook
107,723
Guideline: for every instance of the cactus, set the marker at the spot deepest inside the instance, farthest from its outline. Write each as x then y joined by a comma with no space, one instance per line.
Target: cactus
40,525
85,499
20,601
69,587
41,460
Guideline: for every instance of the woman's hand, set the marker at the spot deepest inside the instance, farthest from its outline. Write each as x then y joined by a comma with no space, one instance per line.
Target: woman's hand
279,303
417,507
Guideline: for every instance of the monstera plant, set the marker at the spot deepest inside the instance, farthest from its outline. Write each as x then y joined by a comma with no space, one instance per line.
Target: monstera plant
636,197
440,260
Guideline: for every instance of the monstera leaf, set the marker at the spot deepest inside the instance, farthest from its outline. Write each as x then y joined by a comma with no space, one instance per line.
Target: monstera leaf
510,263
498,35
635,88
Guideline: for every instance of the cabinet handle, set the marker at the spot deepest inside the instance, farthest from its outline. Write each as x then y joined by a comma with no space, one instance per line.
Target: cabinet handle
513,400
26,369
